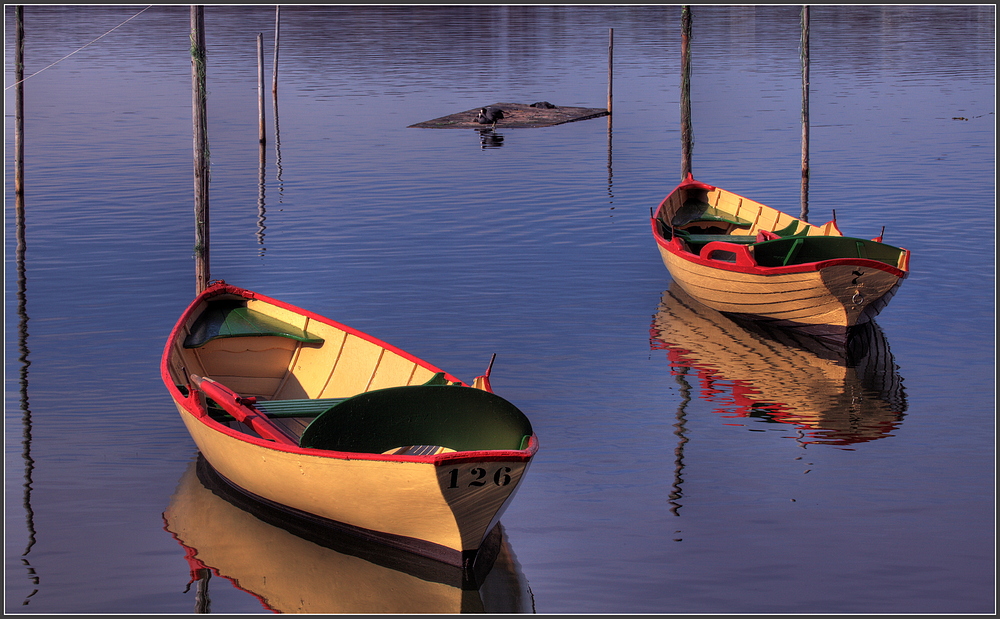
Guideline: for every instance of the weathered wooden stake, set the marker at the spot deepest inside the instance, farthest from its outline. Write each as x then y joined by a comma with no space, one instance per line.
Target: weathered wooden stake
274,69
611,54
805,114
686,138
19,114
260,88
199,112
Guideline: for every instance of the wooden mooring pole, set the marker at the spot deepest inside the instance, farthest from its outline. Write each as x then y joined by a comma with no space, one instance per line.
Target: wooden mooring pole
274,69
611,55
805,114
686,138
199,112
260,88
19,115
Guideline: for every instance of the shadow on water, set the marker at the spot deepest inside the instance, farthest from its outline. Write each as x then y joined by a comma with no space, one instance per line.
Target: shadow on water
834,395
292,565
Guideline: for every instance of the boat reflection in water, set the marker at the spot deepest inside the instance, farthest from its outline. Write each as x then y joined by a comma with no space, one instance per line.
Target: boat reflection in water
835,394
294,566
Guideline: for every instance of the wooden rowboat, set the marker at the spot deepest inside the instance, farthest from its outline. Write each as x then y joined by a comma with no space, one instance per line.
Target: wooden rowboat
740,257
316,418
292,565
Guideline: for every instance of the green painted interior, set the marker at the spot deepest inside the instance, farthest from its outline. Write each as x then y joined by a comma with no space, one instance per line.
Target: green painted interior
223,319
806,249
460,418
696,210
698,240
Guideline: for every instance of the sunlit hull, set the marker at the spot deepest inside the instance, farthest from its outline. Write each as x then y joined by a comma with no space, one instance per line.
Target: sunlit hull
442,505
740,257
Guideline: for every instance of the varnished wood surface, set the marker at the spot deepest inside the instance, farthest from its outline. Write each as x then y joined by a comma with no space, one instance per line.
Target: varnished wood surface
449,502
833,294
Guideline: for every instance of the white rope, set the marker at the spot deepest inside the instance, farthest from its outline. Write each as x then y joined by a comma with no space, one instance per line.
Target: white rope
82,48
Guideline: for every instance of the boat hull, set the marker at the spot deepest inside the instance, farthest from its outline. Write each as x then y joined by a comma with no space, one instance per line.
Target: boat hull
742,258
827,299
442,505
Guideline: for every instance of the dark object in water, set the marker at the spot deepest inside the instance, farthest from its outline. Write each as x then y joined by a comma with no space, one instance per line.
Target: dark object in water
515,115
543,104
489,115
488,139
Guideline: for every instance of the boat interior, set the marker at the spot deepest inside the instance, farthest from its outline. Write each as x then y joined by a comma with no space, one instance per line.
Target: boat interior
774,239
379,402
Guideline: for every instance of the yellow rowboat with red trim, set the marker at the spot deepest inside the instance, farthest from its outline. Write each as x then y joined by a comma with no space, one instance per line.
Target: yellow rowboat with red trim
740,257
311,416
291,565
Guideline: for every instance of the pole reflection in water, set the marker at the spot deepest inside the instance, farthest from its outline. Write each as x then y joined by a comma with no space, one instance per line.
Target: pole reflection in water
680,431
835,395
293,565
277,146
261,210
26,423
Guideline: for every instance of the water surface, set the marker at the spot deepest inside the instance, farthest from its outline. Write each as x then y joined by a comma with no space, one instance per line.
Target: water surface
673,477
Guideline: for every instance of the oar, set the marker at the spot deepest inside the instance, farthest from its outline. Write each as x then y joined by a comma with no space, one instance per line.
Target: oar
242,409
483,382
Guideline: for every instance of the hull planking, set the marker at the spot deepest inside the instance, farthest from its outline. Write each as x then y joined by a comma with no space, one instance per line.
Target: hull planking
441,505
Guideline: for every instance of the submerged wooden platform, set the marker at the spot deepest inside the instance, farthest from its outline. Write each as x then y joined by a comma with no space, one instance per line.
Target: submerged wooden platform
516,115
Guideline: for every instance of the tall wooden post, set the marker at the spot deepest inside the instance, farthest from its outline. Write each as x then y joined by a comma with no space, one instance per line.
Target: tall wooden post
274,69
199,113
611,55
805,114
19,114
260,88
686,138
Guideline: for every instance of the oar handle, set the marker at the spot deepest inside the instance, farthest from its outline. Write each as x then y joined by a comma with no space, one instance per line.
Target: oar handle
483,382
242,410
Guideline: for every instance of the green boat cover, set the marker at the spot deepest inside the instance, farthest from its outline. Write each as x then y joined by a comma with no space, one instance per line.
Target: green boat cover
456,417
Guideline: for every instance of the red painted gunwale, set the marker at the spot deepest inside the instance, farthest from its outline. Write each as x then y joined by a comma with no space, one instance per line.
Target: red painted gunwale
192,404
674,247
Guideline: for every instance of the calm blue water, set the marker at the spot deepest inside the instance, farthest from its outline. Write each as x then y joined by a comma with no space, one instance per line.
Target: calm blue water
657,488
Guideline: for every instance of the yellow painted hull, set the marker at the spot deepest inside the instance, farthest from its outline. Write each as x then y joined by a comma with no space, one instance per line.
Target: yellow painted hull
292,567
832,297
710,240
441,505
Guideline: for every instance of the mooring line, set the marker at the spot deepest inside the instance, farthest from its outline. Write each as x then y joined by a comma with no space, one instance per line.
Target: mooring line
81,49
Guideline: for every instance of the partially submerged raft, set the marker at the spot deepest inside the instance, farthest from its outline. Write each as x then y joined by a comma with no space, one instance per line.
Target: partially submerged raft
516,116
